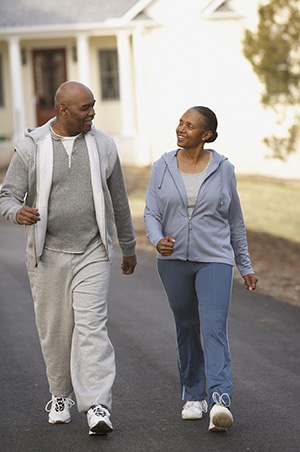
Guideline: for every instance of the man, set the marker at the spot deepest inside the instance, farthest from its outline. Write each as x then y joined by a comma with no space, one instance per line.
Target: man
65,184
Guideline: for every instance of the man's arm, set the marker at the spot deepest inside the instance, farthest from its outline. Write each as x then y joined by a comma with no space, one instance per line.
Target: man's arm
14,189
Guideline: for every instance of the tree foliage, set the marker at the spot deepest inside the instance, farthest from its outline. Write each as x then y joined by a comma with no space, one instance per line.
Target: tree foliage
274,53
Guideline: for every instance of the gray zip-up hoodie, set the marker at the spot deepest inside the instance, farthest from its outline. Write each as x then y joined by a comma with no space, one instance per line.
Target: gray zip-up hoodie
20,184
215,232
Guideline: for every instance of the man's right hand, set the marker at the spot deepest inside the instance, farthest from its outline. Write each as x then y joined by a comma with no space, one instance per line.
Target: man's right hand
27,215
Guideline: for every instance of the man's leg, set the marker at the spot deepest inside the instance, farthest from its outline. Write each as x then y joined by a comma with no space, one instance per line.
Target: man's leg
93,358
50,284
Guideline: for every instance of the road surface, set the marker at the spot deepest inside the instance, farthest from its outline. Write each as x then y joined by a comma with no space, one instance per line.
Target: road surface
265,348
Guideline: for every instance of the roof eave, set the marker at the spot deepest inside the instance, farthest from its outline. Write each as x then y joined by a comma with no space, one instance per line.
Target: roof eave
210,11
135,10
222,15
96,28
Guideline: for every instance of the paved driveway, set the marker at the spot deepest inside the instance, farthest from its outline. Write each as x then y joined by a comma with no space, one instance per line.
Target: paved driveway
265,347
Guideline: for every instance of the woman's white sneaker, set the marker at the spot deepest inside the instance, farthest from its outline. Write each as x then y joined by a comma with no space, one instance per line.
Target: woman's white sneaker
220,416
194,409
59,410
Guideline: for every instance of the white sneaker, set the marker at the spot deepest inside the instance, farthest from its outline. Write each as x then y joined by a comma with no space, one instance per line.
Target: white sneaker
59,411
220,416
194,410
98,418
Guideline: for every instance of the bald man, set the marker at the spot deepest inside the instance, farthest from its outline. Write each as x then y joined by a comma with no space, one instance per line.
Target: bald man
65,184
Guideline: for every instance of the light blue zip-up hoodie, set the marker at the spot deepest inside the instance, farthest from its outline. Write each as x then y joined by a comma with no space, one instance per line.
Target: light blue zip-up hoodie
215,232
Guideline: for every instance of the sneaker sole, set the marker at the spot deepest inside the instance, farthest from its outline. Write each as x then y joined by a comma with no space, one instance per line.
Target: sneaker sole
220,422
59,421
100,429
186,417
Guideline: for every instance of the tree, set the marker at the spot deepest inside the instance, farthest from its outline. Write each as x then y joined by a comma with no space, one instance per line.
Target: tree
274,53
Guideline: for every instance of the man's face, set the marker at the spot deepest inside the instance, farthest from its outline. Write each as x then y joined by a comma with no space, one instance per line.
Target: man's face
80,112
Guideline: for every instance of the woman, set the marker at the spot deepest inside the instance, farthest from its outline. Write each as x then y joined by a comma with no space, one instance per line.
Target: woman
194,219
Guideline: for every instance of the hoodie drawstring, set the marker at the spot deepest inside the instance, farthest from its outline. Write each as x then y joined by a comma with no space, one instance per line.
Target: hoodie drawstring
163,176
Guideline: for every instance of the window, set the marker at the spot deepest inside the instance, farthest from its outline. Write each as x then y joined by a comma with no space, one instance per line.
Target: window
1,84
109,71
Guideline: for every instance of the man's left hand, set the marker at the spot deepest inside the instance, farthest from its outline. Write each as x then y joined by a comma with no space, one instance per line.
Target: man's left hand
128,265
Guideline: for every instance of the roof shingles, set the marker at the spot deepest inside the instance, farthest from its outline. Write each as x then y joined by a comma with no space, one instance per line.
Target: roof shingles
20,13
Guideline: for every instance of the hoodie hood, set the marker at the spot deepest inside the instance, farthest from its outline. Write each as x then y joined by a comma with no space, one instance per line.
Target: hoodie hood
170,161
38,133
169,156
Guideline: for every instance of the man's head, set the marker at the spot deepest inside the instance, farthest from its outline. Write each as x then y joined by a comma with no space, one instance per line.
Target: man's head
74,107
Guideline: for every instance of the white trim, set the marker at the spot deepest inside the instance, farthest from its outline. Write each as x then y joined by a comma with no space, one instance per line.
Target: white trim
44,172
83,58
69,30
135,10
126,84
211,11
16,86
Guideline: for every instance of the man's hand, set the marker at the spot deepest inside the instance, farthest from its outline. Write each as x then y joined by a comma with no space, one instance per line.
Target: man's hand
250,281
27,215
128,265
166,246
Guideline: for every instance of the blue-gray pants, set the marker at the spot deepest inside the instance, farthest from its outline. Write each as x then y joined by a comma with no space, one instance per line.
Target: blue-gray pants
191,288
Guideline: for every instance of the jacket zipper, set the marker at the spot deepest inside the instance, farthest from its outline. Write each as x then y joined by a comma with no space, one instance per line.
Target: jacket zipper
189,234
190,226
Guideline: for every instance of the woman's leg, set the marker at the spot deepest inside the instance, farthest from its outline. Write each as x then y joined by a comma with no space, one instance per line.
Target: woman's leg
213,287
178,279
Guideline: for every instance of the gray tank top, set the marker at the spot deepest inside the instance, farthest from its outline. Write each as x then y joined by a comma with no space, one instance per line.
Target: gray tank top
192,183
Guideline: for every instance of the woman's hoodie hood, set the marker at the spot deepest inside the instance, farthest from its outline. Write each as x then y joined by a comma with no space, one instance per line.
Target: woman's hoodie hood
170,161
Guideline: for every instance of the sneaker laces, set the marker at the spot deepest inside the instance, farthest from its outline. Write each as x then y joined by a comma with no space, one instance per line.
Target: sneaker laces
59,403
99,410
192,403
221,399
188,404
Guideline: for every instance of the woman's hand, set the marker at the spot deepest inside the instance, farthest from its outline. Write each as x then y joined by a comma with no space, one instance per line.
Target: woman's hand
166,246
250,281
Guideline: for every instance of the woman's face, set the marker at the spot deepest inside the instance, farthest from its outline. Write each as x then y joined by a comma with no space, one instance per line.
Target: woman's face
190,130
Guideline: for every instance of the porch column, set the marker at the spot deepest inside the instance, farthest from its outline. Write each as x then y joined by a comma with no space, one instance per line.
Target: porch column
142,110
83,59
15,65
126,81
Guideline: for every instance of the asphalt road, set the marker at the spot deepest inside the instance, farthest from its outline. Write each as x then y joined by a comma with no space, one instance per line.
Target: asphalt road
265,347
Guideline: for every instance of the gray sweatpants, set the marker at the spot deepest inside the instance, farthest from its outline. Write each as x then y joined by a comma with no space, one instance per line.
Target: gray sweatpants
70,302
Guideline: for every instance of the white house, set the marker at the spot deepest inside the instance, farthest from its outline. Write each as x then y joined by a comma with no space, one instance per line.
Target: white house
146,63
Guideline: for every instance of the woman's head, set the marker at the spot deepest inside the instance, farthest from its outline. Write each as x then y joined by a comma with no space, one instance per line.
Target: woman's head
210,121
196,127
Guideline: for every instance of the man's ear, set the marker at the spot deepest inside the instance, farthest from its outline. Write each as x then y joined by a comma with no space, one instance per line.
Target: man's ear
63,110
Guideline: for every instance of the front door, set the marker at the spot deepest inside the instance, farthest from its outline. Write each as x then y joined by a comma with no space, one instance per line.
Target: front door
49,68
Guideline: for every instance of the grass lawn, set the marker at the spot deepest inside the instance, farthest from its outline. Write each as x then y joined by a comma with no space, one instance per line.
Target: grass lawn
269,205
